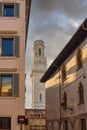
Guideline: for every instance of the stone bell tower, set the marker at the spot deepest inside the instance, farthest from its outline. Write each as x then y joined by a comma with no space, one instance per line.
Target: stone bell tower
38,69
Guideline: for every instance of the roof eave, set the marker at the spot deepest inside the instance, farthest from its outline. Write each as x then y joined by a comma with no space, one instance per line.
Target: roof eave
28,7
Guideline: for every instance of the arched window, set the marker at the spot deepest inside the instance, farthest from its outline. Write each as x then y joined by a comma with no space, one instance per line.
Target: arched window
65,125
39,52
79,58
40,97
36,53
65,99
83,124
63,72
81,93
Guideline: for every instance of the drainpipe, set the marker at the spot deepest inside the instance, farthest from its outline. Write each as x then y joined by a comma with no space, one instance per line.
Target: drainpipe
60,123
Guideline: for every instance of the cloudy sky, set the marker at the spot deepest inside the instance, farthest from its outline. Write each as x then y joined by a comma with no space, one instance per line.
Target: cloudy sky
54,22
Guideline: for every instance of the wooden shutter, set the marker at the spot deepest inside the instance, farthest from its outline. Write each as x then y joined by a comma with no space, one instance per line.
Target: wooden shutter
15,89
1,8
17,46
16,9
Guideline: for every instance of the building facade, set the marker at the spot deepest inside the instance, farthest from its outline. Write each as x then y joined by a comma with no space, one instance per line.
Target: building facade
66,81
14,15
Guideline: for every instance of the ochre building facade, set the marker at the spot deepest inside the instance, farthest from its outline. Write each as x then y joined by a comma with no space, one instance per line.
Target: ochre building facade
66,85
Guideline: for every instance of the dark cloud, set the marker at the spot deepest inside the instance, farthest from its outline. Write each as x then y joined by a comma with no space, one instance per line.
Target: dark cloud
71,8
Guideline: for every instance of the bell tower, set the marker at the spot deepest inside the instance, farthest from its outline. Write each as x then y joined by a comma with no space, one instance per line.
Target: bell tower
39,67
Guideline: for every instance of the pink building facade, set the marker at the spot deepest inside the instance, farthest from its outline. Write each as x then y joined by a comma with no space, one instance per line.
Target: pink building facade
13,21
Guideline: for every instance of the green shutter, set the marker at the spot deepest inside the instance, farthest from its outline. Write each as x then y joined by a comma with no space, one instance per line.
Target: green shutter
17,46
16,9
1,8
0,41
0,45
15,89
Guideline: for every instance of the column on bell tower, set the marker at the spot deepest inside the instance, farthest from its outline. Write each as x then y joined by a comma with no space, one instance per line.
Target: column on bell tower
38,69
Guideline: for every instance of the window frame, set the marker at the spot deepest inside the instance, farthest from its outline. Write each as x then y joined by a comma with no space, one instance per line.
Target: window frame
81,93
2,47
16,45
66,125
40,97
82,122
39,51
4,9
15,85
1,85
16,9
8,121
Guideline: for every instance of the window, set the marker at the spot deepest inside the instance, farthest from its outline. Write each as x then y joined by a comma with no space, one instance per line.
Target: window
83,124
6,85
5,123
40,97
81,93
9,46
79,59
36,53
65,125
65,100
63,72
9,9
39,52
9,85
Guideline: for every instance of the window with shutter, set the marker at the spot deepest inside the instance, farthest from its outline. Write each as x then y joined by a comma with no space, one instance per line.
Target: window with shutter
9,85
9,46
9,9
6,84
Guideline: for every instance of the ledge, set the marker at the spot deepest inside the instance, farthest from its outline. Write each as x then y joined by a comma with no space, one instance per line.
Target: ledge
8,69
5,32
